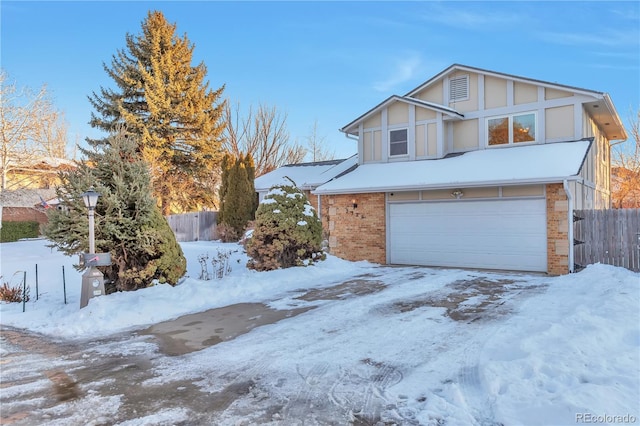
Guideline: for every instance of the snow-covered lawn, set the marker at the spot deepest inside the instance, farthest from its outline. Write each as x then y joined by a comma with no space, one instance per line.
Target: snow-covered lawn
545,351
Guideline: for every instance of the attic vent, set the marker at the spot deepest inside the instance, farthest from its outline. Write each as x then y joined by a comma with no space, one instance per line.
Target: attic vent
459,88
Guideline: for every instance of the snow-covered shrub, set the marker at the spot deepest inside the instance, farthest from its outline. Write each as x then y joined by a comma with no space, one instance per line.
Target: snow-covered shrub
287,231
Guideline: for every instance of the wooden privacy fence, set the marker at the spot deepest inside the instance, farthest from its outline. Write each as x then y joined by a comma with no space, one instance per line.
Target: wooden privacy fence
607,236
199,226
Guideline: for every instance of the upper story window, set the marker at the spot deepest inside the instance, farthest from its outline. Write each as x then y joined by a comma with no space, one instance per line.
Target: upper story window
459,88
511,129
398,142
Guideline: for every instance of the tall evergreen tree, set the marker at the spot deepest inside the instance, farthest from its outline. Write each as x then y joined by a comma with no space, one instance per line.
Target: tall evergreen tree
237,195
166,102
129,224
249,164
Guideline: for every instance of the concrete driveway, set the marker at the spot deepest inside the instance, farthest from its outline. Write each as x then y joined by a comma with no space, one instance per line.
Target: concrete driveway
128,378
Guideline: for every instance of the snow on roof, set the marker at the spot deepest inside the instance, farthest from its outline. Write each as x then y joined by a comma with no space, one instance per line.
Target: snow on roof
497,166
26,197
353,129
305,175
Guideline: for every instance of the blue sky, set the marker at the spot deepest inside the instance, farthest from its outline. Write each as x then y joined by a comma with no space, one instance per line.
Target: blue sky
328,61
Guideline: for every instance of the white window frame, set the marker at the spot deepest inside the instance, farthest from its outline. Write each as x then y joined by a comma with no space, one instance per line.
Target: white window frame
406,141
510,118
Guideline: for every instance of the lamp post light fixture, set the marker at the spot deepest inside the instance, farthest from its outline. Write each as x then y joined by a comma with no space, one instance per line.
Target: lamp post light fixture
92,279
90,199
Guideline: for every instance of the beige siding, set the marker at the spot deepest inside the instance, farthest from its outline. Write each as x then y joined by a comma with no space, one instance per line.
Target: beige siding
559,122
432,139
425,114
421,150
367,147
486,192
432,94
445,194
377,145
495,92
556,94
522,191
404,196
373,121
437,194
465,135
524,93
472,103
398,113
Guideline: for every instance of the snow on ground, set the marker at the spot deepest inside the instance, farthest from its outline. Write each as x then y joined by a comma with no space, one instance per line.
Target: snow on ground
568,352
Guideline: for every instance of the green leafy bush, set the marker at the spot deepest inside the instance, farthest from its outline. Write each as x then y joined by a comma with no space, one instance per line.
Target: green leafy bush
13,231
287,231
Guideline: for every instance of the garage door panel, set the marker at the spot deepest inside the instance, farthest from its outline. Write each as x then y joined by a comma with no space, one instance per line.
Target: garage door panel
497,234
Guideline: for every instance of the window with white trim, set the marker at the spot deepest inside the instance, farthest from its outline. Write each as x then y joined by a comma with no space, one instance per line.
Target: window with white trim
511,129
459,88
398,142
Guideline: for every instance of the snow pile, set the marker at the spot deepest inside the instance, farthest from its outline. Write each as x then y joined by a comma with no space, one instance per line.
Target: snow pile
574,350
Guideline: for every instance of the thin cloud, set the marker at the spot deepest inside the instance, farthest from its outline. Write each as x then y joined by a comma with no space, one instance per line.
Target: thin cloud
613,38
458,18
404,70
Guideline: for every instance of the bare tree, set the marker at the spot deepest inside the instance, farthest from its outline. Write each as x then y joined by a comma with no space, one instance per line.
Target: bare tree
263,134
317,145
626,167
30,128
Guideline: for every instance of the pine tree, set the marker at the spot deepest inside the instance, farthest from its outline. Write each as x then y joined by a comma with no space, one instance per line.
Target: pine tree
166,102
249,164
237,195
129,224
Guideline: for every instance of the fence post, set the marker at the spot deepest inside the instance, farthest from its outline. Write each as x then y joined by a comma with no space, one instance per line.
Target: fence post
24,291
37,292
64,286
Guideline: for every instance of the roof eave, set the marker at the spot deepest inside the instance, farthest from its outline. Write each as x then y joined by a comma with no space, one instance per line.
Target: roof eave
539,181
352,129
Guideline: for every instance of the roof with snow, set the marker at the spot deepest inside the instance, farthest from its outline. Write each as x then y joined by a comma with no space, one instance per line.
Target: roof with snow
496,166
305,175
449,112
26,197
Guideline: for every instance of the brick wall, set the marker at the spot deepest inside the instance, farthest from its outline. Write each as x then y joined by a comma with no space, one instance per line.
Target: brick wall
356,233
557,230
23,214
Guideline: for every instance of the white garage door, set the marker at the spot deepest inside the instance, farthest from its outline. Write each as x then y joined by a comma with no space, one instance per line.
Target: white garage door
496,234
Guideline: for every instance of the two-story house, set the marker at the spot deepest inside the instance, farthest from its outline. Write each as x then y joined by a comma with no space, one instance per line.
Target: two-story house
473,168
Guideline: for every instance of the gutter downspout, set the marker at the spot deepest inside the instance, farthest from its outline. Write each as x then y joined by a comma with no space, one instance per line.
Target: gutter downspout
565,184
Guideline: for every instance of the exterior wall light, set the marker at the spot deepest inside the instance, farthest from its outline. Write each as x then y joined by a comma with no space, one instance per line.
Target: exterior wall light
355,203
457,194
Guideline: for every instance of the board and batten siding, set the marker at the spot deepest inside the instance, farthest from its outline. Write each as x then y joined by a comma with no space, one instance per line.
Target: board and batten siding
560,117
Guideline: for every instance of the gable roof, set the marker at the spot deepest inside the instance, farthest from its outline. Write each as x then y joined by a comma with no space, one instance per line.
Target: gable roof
305,175
601,109
544,163
450,112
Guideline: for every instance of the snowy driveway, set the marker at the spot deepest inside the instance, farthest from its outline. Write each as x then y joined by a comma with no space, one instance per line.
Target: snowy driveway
338,343
334,356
